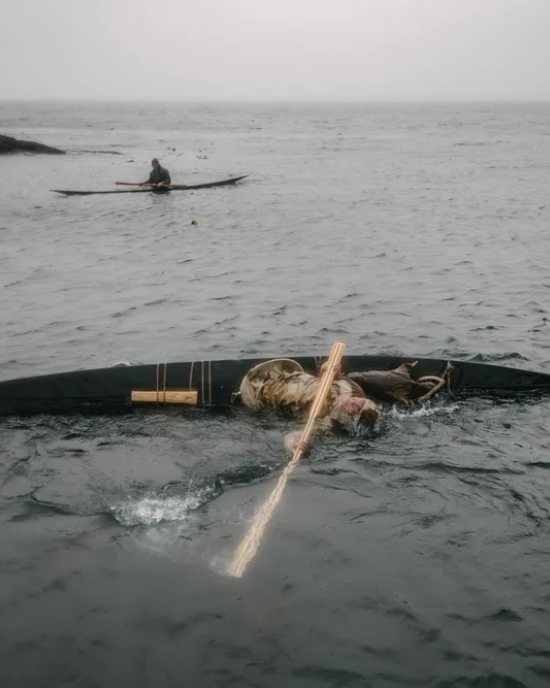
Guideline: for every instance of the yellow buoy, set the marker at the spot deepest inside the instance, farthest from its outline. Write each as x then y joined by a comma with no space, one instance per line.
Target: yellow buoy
194,222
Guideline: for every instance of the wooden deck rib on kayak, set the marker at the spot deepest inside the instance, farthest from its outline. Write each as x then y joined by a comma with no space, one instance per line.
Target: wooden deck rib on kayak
154,189
165,396
215,383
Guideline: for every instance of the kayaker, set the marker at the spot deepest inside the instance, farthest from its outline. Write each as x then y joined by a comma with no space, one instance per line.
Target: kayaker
159,174
353,399
283,384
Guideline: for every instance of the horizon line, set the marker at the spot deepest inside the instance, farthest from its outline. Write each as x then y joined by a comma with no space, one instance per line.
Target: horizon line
318,100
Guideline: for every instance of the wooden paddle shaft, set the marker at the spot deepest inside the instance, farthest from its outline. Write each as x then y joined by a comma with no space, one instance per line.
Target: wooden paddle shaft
335,357
251,542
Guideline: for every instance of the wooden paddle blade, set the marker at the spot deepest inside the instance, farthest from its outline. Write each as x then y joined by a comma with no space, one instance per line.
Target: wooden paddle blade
251,542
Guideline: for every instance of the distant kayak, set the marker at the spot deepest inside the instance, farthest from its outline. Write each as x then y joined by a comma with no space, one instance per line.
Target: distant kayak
151,188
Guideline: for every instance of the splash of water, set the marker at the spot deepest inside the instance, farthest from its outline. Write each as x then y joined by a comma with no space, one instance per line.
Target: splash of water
164,524
423,412
150,511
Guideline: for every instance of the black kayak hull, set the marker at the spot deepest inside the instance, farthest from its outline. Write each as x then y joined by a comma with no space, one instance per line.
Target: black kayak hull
193,187
214,384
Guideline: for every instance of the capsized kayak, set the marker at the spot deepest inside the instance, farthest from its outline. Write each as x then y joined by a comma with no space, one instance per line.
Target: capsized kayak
210,384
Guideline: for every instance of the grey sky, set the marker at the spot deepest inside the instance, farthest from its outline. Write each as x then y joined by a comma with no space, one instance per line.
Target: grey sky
275,49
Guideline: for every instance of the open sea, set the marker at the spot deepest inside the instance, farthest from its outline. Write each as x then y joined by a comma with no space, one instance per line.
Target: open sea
416,556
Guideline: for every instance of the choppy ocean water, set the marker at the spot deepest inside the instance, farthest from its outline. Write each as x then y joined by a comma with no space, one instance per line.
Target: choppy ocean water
417,556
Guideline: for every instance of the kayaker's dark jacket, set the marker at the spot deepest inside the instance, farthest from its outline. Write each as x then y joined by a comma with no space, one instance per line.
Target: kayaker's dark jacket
159,174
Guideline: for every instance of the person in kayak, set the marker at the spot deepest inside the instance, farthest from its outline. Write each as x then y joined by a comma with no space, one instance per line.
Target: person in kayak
283,384
159,175
353,402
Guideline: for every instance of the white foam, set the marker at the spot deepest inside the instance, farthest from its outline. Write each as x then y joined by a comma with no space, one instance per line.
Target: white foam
423,412
165,525
151,511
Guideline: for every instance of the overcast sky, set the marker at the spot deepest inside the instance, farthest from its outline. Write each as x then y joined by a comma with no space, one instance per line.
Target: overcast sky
275,49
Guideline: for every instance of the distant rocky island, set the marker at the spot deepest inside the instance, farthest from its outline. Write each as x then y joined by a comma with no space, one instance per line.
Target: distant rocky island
10,145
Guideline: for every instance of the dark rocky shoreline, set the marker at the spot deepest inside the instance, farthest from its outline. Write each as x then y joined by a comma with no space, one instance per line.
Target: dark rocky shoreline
8,144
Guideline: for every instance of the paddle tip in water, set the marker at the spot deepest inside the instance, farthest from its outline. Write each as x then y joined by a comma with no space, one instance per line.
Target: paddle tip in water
251,542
